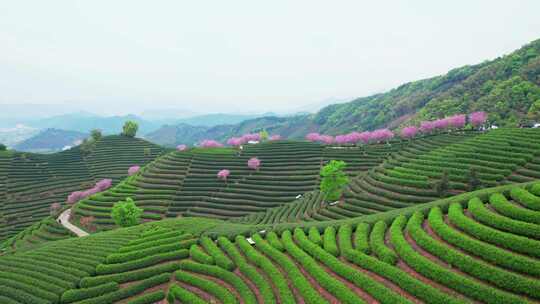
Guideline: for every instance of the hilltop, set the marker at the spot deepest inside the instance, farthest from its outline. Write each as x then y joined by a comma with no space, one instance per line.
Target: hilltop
507,87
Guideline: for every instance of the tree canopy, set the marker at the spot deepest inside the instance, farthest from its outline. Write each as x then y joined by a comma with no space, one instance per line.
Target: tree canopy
126,213
334,179
130,128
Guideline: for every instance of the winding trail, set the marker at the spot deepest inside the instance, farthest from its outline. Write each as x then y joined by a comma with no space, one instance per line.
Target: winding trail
64,220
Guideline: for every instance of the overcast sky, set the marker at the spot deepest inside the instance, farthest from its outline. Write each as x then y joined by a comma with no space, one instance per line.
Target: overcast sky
210,56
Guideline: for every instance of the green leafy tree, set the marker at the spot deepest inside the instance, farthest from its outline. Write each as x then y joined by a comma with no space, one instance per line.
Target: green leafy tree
130,128
3,147
442,186
96,134
333,180
126,213
474,181
263,135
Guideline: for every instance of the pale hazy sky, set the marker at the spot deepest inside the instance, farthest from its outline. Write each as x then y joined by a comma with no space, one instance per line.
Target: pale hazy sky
209,56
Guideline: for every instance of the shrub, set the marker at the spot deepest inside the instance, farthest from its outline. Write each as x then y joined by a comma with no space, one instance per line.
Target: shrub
239,285
126,213
285,293
502,206
183,295
198,255
361,238
525,198
74,295
504,239
273,240
501,278
378,246
329,241
488,252
333,285
219,257
149,298
298,280
315,236
218,291
130,128
248,270
371,286
434,271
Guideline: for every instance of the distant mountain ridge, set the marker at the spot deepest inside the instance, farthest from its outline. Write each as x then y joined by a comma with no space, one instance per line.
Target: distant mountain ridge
51,140
508,88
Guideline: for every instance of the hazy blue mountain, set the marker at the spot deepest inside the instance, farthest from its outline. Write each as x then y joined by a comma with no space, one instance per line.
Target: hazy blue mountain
84,122
51,140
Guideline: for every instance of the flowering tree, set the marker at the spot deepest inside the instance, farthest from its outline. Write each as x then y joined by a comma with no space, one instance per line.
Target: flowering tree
275,137
210,143
477,119
313,136
100,186
103,184
181,148
409,132
458,121
133,169
326,139
442,123
365,137
235,141
251,137
427,127
223,174
381,135
254,163
55,207
74,197
342,139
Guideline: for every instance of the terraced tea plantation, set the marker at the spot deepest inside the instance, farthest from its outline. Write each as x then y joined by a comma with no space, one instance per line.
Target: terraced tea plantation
30,183
267,235
478,247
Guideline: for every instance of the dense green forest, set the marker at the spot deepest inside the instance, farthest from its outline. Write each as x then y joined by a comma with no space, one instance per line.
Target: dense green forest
507,87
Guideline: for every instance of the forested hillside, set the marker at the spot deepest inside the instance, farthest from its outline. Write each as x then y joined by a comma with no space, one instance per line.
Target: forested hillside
507,87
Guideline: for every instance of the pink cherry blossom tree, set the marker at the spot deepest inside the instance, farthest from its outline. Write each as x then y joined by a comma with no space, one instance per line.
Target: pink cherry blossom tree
254,163
74,197
181,148
313,136
223,174
457,121
103,184
409,132
326,139
275,137
477,119
365,137
133,170
236,141
427,127
210,143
